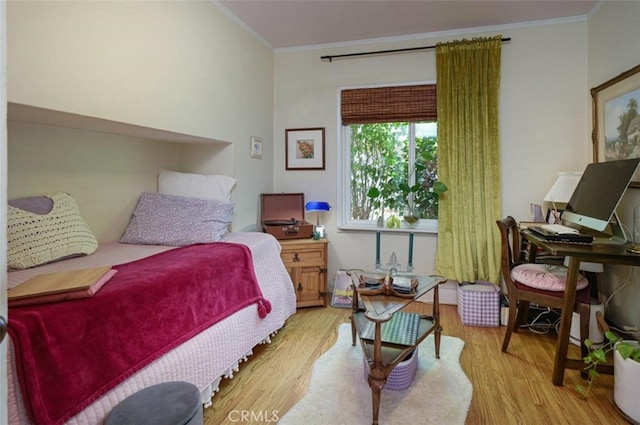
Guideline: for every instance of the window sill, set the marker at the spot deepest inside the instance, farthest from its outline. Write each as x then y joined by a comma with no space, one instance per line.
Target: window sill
364,227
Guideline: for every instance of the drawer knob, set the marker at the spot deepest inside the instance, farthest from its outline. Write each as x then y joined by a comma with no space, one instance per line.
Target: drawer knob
296,258
299,287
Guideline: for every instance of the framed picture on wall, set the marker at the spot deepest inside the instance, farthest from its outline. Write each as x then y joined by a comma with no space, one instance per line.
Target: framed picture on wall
304,148
256,147
616,119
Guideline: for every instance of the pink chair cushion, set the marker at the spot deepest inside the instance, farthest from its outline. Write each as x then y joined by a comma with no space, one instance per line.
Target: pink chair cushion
547,277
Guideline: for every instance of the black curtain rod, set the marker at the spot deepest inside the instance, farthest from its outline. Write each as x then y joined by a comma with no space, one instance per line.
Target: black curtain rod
330,58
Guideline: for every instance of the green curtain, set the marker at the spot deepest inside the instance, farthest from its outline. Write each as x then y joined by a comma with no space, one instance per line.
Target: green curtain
468,78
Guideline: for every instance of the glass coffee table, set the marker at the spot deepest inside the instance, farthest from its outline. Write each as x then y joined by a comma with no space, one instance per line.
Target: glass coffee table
388,338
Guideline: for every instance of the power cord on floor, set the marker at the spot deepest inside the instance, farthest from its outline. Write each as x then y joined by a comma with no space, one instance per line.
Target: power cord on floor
633,334
544,322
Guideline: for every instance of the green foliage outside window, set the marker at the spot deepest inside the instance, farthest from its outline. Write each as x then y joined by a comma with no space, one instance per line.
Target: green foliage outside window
382,178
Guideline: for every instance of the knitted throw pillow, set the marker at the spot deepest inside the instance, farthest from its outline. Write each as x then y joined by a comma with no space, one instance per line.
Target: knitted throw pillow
35,238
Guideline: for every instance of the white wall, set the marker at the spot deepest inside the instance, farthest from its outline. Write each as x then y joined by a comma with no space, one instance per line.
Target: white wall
543,121
614,47
178,66
104,173
3,208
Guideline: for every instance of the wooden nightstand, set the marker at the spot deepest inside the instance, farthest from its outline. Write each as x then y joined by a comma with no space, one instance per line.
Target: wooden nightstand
306,262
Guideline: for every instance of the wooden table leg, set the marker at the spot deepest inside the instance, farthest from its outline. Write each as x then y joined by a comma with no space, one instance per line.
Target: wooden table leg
376,383
436,317
562,345
378,373
354,310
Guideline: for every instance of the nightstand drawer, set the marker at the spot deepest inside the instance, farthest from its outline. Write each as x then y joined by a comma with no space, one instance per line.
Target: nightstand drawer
303,257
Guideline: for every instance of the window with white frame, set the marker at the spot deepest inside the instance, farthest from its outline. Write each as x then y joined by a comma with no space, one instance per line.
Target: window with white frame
389,157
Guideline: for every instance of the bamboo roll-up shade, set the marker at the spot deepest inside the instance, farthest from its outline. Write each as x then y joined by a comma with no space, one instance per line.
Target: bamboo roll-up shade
389,104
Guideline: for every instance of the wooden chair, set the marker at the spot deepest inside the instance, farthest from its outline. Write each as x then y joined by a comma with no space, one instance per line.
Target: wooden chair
525,283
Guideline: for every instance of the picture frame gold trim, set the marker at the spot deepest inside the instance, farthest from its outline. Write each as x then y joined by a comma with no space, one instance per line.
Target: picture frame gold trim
611,100
305,148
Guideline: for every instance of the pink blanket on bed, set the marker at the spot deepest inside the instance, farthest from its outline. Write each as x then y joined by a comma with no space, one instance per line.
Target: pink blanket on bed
69,353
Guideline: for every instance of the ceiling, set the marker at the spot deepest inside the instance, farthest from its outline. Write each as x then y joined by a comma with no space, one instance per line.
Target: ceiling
295,23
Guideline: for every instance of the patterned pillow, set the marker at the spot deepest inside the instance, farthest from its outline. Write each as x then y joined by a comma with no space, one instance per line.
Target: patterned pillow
38,234
545,276
177,220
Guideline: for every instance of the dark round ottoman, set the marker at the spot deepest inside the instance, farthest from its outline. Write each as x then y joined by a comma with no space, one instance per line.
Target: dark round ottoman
169,403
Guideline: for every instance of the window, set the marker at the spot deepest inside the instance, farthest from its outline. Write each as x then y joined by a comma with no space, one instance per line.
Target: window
389,159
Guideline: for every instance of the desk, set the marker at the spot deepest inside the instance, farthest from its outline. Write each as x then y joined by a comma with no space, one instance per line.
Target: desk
597,253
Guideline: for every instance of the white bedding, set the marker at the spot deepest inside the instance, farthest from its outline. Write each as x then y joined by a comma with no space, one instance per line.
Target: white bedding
203,359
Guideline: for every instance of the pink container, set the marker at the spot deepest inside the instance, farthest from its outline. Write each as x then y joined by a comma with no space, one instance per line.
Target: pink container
479,304
401,376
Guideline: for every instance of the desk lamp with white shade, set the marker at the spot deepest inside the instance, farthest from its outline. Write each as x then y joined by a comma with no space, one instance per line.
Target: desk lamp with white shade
561,191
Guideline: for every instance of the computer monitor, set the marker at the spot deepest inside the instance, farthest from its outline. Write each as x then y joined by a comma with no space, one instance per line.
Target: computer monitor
599,191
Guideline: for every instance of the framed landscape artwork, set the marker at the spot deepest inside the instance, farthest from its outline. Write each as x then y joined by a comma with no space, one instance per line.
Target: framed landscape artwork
304,148
616,119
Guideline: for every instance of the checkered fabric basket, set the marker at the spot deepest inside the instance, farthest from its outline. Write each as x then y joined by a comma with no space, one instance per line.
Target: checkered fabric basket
401,376
479,304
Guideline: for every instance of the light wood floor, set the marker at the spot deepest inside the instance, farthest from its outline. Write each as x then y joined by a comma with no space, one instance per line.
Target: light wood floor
508,388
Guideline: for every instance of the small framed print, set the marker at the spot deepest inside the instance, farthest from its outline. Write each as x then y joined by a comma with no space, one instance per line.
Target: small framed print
304,148
256,147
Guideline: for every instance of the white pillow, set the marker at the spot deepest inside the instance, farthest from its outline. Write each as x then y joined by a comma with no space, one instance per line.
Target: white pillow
203,186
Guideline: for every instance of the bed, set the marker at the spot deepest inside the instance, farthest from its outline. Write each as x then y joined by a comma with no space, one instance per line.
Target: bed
212,354
202,360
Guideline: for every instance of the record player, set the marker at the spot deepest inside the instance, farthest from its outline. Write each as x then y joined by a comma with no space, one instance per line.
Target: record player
282,215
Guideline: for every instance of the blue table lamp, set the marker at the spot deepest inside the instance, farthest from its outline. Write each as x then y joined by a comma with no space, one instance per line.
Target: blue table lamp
318,207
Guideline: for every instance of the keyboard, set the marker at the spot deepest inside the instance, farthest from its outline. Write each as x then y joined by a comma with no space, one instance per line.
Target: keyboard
553,233
559,229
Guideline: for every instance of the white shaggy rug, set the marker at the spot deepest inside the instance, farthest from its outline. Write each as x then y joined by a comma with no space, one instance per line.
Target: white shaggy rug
338,392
